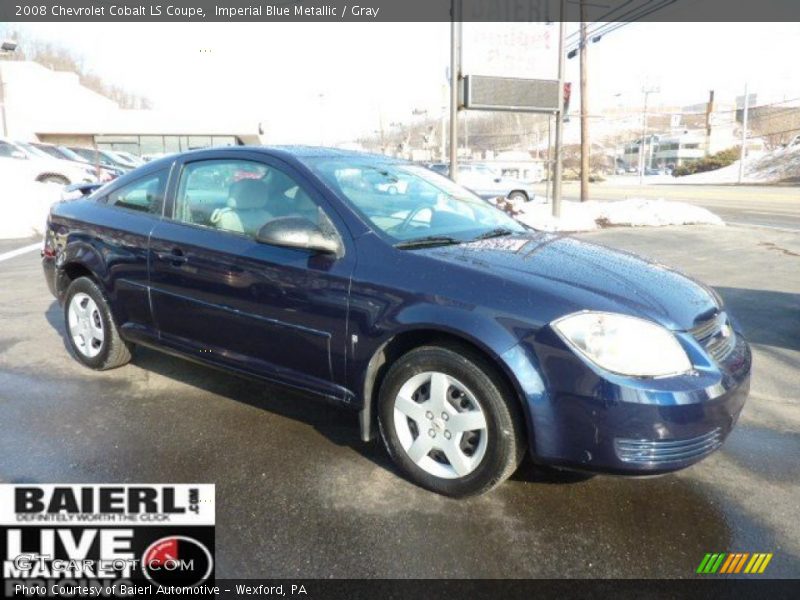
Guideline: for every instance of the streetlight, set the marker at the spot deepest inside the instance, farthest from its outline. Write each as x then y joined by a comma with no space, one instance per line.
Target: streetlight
7,47
646,91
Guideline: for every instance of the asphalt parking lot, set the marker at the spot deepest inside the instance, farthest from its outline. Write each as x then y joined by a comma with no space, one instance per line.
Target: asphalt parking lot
298,495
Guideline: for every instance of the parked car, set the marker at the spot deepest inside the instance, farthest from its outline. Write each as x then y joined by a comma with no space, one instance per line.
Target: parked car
103,174
459,336
128,158
38,166
487,183
655,171
102,157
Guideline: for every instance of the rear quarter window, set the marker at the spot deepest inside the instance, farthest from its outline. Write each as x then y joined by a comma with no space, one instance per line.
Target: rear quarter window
145,194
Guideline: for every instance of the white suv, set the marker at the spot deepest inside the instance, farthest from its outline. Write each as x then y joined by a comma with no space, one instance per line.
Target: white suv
37,166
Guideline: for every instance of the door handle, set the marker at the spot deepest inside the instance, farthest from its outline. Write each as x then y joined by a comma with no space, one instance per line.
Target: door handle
175,257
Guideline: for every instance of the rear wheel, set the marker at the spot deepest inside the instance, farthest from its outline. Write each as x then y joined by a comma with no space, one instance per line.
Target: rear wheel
448,422
518,196
91,331
53,178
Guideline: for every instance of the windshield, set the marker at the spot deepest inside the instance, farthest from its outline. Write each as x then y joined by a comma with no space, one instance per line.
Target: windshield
408,202
33,150
50,151
93,156
70,154
481,170
120,158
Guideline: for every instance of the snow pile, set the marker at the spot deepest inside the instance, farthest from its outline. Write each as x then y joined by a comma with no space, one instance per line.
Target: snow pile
636,212
779,165
24,206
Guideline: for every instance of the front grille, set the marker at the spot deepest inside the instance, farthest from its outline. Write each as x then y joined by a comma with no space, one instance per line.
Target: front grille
717,336
648,452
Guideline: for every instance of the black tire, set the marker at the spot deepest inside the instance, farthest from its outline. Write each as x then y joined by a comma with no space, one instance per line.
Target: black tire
517,196
114,351
505,445
54,178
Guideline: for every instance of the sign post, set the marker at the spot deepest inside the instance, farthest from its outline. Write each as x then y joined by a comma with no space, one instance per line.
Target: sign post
559,166
455,78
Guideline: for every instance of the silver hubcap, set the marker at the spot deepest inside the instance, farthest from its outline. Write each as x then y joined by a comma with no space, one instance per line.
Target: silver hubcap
85,325
440,425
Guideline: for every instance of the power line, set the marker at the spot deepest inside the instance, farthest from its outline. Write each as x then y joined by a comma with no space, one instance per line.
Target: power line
624,19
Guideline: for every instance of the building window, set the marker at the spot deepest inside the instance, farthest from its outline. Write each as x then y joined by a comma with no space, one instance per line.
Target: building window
199,141
151,144
172,143
223,140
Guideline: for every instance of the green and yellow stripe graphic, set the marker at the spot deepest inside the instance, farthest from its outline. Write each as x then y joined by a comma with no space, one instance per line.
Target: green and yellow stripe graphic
733,562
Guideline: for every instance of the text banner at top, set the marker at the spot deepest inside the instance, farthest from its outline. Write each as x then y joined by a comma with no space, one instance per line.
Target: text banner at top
397,10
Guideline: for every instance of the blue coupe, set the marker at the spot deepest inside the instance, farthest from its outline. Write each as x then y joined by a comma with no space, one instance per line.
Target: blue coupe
462,338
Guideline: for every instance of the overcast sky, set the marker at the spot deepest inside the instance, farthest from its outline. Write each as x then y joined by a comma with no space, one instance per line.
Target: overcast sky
275,73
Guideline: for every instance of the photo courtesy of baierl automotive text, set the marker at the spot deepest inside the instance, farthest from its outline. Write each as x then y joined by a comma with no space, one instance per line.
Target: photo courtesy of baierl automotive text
442,297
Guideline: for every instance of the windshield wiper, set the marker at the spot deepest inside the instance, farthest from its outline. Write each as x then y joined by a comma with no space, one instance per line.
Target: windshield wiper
429,240
493,233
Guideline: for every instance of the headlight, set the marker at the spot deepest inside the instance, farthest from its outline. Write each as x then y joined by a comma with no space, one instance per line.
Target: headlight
624,345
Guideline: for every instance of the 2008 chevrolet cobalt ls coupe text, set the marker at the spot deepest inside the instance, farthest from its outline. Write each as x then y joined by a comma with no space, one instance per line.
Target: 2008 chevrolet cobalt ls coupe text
462,337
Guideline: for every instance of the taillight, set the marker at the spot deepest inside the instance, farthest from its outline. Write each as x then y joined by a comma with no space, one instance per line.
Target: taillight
47,249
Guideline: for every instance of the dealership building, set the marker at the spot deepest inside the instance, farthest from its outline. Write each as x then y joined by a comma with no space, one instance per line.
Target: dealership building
50,106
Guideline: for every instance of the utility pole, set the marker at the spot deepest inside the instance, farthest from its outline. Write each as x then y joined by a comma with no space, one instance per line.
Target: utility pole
585,147
558,170
455,76
549,163
709,113
466,133
744,136
443,149
646,91
7,47
3,103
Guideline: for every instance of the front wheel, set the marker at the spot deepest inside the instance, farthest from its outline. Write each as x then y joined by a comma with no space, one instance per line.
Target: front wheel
448,421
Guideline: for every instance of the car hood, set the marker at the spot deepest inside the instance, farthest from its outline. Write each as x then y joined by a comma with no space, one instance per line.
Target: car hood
562,275
60,165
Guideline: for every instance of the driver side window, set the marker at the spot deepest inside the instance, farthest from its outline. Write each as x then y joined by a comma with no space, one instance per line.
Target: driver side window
240,196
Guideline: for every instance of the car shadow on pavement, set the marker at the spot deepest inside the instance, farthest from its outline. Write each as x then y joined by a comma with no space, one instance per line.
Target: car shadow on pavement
767,317
337,424
55,317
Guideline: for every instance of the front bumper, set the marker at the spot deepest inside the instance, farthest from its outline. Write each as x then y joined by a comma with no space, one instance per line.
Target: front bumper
582,419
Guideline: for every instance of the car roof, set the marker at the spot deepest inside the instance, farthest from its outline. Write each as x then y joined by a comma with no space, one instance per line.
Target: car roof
289,151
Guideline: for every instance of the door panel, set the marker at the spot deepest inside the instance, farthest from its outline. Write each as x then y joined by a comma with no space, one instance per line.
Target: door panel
130,214
278,312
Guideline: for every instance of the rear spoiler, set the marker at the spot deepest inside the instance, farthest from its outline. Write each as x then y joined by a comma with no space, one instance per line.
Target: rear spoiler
79,190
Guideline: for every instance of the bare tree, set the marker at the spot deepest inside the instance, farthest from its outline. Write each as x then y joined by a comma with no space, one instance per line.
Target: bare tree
59,58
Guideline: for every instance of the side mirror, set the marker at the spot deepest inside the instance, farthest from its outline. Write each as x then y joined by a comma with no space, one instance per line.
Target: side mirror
299,232
497,180
18,154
